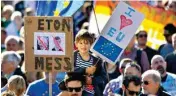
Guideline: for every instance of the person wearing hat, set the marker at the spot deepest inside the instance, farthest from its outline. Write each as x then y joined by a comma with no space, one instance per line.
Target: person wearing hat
72,85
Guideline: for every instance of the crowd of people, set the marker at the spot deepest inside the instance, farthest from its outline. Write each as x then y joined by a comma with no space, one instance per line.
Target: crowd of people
140,71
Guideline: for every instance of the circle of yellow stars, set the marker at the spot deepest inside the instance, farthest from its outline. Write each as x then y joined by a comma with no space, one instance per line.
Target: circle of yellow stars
107,45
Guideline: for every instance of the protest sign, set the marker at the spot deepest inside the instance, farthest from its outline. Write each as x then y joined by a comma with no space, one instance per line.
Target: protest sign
48,43
117,33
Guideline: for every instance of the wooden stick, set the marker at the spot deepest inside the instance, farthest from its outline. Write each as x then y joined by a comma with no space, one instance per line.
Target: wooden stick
50,83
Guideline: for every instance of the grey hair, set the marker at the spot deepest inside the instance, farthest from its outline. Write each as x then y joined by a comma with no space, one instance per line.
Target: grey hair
154,74
11,56
17,39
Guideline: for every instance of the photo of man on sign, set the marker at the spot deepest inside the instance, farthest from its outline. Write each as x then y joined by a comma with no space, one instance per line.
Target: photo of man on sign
57,41
42,42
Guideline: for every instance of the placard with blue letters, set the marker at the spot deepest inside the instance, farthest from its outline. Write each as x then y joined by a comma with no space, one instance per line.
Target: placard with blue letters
117,33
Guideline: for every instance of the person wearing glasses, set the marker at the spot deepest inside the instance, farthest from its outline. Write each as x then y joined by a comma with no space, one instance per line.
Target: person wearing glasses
168,80
131,68
131,86
167,48
141,38
151,84
72,85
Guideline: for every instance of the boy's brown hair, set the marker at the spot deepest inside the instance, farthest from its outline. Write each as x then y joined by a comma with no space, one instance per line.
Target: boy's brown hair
83,34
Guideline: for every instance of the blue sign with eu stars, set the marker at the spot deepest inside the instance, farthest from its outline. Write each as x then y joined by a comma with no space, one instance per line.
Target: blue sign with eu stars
117,33
107,48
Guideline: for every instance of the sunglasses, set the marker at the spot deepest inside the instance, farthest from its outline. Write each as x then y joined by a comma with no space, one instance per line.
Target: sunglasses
145,35
77,89
133,92
145,82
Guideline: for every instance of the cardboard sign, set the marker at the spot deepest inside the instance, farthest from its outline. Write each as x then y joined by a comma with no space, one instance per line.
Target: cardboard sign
48,43
117,33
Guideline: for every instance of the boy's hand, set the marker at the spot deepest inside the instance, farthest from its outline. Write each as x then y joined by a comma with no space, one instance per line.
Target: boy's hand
88,80
90,70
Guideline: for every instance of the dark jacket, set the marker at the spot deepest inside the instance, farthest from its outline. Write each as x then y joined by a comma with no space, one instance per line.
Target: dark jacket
99,79
161,92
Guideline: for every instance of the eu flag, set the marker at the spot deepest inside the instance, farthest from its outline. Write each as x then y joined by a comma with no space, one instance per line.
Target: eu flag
45,8
58,7
107,48
68,7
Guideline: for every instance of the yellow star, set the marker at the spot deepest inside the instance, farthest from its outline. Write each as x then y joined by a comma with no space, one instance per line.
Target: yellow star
56,13
66,3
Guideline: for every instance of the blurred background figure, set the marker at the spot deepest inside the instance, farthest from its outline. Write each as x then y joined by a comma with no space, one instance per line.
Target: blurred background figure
170,58
167,48
6,14
141,38
3,37
151,84
29,12
14,27
12,43
17,85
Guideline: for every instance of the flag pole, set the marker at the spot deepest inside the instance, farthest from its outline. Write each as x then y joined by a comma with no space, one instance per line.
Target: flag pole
96,21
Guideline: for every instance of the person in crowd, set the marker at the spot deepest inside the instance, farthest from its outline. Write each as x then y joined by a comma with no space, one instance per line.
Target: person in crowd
12,43
89,65
73,84
41,87
137,55
151,84
6,14
10,66
14,27
141,38
131,86
168,80
170,58
167,48
29,12
131,68
17,85
3,37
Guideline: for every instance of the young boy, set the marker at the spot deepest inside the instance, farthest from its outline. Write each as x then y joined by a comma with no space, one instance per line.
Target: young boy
89,65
